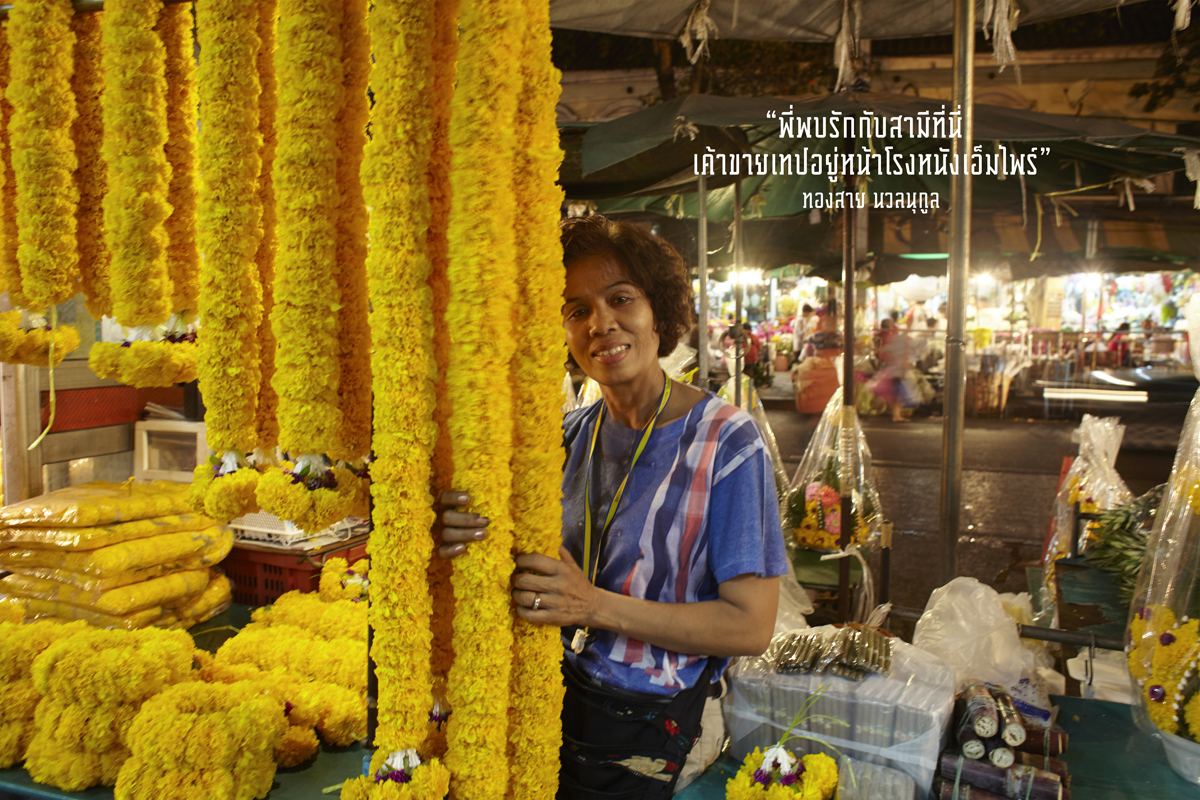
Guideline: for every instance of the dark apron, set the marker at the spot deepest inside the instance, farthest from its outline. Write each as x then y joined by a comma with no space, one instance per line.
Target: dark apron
623,744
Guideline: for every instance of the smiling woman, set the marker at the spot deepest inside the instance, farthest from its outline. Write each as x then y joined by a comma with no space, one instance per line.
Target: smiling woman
671,536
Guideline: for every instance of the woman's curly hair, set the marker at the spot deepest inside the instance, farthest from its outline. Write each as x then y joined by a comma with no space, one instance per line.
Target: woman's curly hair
652,263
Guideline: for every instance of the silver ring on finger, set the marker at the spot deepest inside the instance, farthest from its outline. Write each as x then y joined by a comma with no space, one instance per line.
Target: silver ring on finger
537,601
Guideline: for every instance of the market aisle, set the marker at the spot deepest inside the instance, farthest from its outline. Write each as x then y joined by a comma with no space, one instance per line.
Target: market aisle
1010,474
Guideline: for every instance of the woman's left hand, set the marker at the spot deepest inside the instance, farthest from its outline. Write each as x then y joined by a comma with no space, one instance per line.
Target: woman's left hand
553,591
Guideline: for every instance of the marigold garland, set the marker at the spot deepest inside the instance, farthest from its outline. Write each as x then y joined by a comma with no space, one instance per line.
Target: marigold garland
398,267
135,127
536,374
225,489
816,780
342,661
228,223
304,316
428,779
353,438
19,646
144,364
43,155
312,504
336,619
268,401
445,62
183,257
32,345
483,263
10,271
340,581
92,175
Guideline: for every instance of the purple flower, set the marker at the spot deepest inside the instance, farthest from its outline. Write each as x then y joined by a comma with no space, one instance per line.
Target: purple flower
1157,693
789,779
1143,613
761,776
1166,639
126,344
287,707
397,776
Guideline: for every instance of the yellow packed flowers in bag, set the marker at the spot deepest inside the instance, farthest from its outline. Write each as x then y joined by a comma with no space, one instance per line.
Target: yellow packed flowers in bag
99,503
43,609
170,548
118,602
209,556
215,598
64,538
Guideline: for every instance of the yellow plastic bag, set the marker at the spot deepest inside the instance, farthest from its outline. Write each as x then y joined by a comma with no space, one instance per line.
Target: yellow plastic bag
42,609
170,548
209,556
99,503
157,592
215,598
63,538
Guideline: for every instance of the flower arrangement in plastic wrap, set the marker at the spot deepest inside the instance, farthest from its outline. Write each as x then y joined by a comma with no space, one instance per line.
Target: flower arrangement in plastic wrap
813,510
1093,483
1163,647
777,774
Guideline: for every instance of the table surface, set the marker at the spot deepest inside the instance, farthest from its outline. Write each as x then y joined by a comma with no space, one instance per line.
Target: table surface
274,549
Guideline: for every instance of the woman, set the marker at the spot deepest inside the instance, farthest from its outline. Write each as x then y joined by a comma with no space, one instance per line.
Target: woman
815,377
671,536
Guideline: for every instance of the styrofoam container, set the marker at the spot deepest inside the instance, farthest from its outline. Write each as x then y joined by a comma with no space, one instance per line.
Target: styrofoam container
1183,756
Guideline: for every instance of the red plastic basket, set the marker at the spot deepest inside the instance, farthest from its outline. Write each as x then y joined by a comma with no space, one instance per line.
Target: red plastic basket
258,578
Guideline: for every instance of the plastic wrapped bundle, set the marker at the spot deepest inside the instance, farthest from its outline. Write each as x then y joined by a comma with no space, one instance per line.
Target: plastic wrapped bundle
157,592
202,607
1163,627
94,683
167,552
874,782
219,738
813,510
895,720
1094,484
92,538
98,503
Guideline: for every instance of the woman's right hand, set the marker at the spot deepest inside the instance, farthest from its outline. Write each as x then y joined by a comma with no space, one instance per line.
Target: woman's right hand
458,528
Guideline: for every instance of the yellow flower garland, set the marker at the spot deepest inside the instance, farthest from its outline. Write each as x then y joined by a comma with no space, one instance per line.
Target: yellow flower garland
268,401
304,315
340,661
228,223
445,61
92,175
135,126
183,257
281,493
818,781
43,154
19,646
32,346
536,376
144,364
483,263
353,438
402,372
336,619
10,271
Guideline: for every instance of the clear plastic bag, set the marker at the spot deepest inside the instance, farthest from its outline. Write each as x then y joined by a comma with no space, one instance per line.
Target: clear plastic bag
169,550
1093,482
164,591
812,511
895,720
1163,627
965,625
64,538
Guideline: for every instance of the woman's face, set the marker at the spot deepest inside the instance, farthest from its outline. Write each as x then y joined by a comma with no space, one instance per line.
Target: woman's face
608,321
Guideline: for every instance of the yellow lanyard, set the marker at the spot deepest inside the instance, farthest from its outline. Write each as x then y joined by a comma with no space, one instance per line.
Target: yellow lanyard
592,568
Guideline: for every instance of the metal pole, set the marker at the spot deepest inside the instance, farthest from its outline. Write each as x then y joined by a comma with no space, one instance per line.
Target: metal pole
702,259
960,254
848,259
737,294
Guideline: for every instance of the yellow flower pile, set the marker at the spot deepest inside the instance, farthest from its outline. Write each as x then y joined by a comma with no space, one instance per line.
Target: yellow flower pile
340,581
817,781
94,682
92,175
342,661
43,153
19,646
204,741
32,345
145,364
339,619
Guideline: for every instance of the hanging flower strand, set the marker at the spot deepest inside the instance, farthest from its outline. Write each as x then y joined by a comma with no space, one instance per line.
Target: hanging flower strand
268,426
135,126
353,440
536,376
41,61
482,264
10,271
92,175
227,233
183,258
